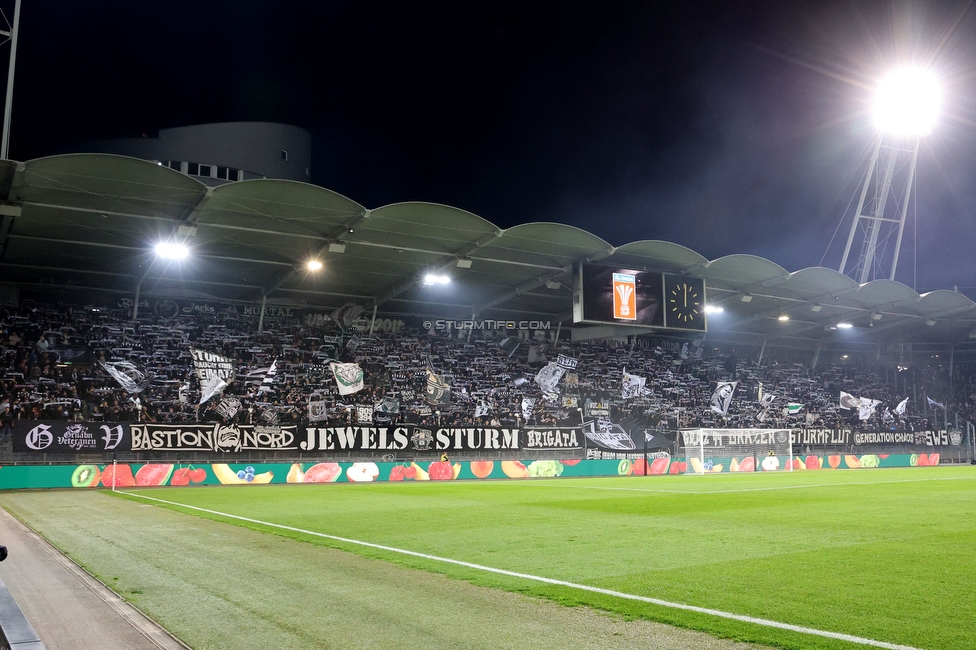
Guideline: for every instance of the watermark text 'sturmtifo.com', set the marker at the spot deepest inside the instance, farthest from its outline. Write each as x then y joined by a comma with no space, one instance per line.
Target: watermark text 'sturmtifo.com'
487,325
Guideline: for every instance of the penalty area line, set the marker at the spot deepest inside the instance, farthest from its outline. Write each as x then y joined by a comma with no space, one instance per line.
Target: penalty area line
551,581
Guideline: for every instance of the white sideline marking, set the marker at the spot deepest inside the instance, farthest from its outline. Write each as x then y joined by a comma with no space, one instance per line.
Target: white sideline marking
552,581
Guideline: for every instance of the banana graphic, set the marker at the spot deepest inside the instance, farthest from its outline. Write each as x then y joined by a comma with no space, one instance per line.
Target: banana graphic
696,465
421,472
227,476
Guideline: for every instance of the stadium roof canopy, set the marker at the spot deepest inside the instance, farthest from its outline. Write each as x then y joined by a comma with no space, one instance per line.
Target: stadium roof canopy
90,221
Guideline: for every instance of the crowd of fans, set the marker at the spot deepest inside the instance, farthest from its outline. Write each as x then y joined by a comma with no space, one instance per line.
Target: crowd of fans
49,369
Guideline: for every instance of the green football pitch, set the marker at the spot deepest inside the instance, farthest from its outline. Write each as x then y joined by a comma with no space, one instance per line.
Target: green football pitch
826,559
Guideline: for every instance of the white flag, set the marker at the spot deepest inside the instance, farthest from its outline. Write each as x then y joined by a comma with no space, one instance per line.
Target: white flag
848,401
482,409
632,385
348,377
933,404
528,405
722,397
867,408
212,387
902,406
268,378
549,376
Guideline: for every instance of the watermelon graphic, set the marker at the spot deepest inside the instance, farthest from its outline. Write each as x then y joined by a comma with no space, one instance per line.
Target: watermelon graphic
118,476
153,474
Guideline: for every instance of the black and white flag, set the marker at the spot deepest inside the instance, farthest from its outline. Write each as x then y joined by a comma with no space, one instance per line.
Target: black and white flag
722,397
387,405
132,377
268,380
569,363
509,345
228,408
318,411
209,365
438,390
346,315
548,377
528,405
364,413
482,409
633,385
537,353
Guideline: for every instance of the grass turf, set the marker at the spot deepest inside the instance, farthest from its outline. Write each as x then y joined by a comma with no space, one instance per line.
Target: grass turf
882,554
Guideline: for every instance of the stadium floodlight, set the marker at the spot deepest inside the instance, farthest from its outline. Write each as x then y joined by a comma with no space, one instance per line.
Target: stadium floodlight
314,265
431,279
844,326
713,309
171,250
907,102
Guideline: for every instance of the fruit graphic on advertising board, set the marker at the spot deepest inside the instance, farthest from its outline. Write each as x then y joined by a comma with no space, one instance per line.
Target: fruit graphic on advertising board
118,476
186,475
624,467
544,468
770,463
153,474
659,465
833,461
514,469
870,460
440,471
363,472
748,464
482,468
85,476
814,462
933,460
852,461
322,473
246,476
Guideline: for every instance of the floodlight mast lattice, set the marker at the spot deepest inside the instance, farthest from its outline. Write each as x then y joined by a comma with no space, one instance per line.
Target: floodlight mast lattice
906,109
12,66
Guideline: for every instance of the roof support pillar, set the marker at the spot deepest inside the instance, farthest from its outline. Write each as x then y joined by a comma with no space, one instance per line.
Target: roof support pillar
135,305
372,321
264,300
816,354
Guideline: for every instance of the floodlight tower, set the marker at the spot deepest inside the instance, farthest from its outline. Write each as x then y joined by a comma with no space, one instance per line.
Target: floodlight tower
906,107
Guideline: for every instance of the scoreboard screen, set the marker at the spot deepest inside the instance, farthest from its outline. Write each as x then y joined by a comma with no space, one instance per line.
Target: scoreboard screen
641,298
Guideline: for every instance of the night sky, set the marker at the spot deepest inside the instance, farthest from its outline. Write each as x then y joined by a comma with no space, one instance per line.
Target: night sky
728,127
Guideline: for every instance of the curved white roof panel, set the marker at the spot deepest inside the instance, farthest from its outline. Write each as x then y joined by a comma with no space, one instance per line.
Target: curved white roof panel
89,221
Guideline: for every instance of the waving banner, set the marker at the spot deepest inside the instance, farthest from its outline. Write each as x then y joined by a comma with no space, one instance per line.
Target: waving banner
348,377
132,377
